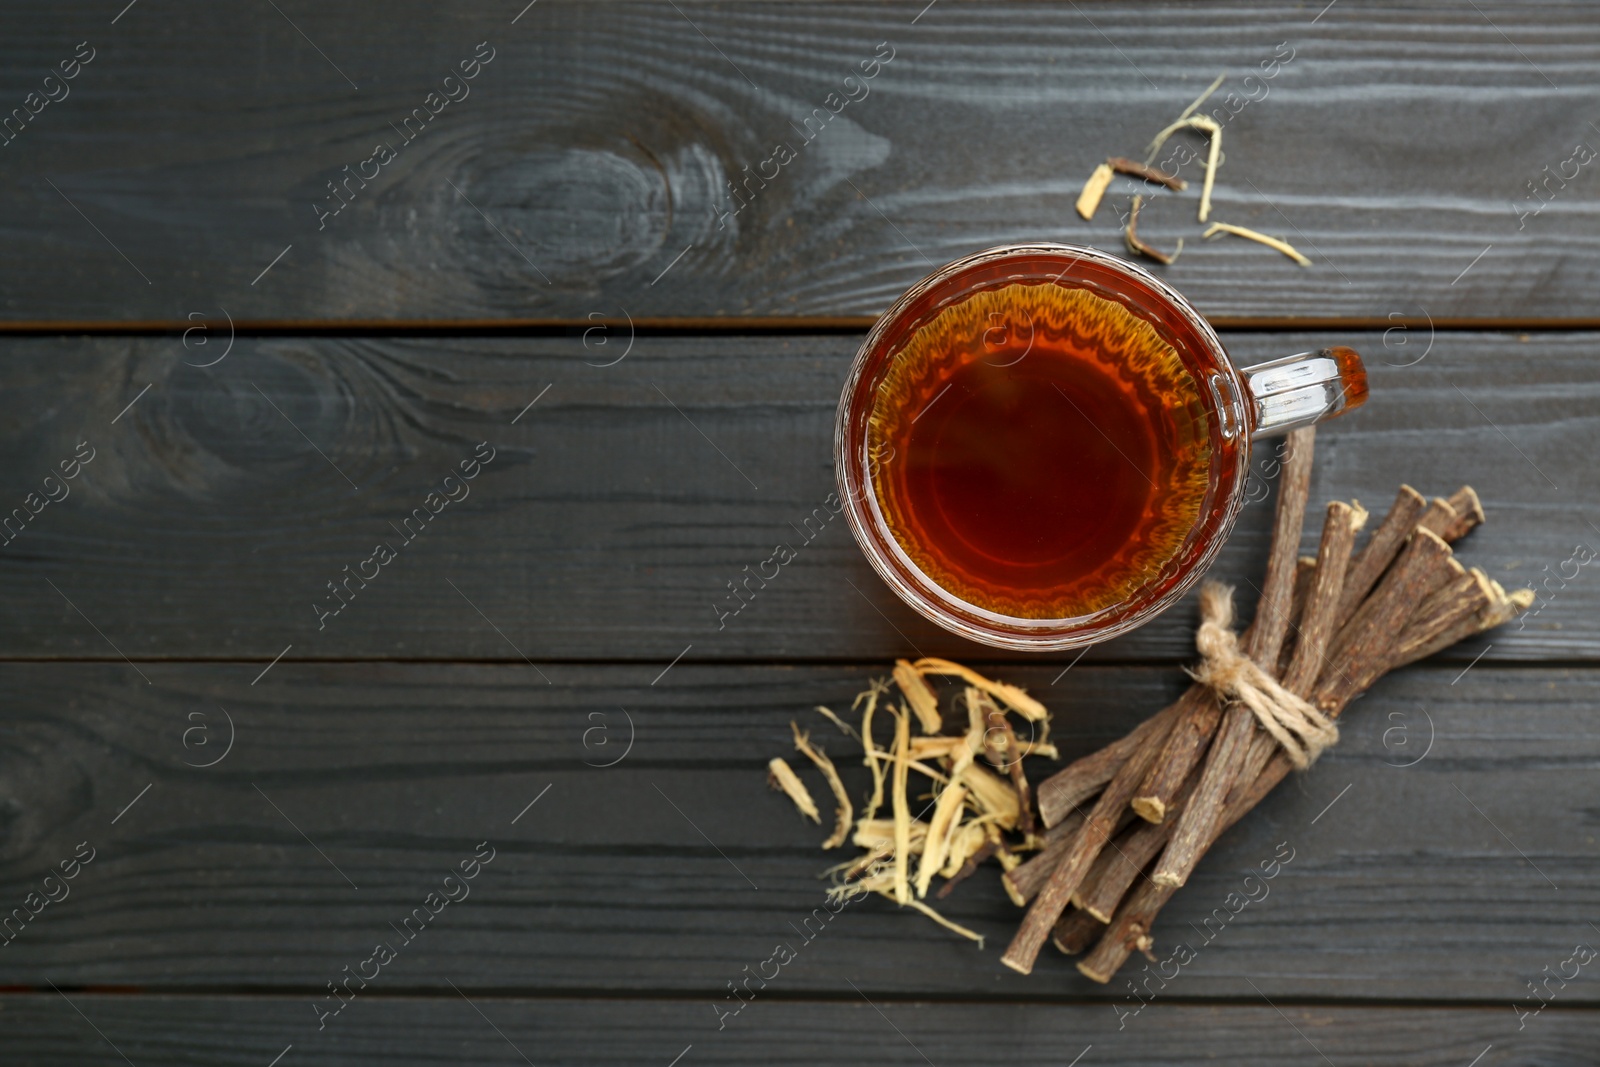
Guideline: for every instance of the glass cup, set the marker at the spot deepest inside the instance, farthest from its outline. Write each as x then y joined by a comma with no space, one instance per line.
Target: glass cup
1239,405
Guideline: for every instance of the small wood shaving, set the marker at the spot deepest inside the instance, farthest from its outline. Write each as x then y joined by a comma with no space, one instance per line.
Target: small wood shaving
1182,120
1150,174
1200,122
1003,753
1271,242
934,747
992,795
1014,697
979,704
1040,740
886,761
845,811
847,865
1093,190
1213,133
1137,244
874,882
920,695
781,776
966,840
1168,131
872,865
984,851
966,748
939,829
1009,861
879,834
902,813
923,768
844,727
1202,98
875,688
944,747
953,927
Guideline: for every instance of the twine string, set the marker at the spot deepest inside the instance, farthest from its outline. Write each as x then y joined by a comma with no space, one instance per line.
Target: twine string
1298,727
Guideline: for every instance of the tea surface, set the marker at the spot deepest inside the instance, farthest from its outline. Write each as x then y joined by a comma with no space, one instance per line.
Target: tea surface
1041,451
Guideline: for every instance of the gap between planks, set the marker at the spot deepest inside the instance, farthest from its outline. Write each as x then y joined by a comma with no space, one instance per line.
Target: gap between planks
601,994
777,325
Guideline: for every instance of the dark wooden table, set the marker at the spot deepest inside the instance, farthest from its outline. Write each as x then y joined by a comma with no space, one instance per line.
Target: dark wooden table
254,777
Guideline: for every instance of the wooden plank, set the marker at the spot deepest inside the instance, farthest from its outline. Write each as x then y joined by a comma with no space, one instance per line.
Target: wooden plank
619,507
585,169
406,1030
352,790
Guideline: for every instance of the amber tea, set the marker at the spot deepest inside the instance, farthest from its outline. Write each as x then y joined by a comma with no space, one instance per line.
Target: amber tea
1042,446
1043,452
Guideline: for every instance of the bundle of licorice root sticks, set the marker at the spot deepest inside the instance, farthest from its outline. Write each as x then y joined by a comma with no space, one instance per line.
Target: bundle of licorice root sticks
1126,825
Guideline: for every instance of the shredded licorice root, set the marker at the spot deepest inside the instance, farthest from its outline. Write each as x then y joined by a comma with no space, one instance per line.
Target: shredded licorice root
1271,242
1137,243
1202,98
976,808
1123,165
844,727
781,776
1013,697
1213,132
1100,179
1093,190
954,927
842,814
919,694
902,807
938,840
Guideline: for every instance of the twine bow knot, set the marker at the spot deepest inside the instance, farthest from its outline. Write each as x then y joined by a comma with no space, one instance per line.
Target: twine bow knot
1301,730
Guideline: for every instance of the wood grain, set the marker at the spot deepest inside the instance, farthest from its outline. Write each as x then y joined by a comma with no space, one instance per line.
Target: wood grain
622,503
401,1031
585,172
675,868
544,670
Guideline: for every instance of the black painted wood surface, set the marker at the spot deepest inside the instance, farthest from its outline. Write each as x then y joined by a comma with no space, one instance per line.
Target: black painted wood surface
658,860
474,1028
584,170
617,509
541,286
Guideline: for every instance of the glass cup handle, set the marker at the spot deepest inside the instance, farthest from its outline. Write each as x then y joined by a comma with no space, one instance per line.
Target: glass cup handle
1303,389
